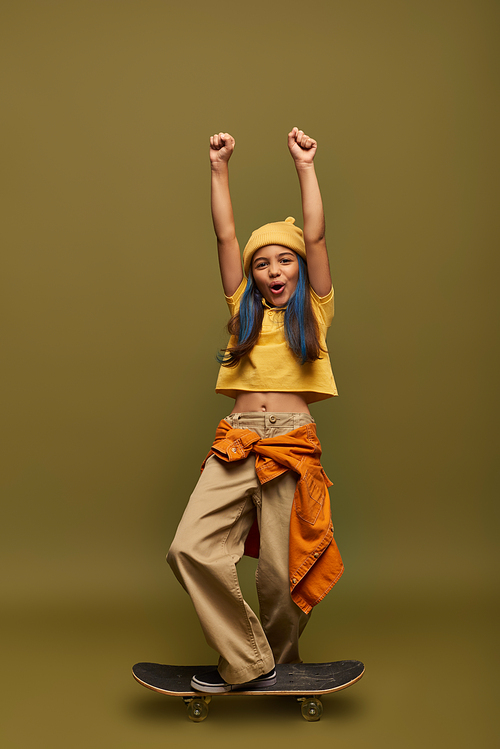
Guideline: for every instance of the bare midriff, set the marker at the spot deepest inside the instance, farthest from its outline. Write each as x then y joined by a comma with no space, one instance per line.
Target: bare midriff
277,402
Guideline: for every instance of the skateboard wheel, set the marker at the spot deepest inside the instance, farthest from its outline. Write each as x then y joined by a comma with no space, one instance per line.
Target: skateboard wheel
311,709
197,710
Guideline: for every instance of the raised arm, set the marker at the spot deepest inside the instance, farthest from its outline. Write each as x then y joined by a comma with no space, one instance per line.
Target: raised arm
303,150
231,270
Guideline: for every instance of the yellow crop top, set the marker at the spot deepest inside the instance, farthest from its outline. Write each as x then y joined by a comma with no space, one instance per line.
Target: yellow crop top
271,366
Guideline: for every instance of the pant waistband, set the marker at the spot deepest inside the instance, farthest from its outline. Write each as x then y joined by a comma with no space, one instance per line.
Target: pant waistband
268,420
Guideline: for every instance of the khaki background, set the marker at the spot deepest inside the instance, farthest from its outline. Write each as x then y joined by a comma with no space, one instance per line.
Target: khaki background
112,314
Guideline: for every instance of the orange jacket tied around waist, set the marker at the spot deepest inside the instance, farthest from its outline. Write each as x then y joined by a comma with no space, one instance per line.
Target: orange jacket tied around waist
315,563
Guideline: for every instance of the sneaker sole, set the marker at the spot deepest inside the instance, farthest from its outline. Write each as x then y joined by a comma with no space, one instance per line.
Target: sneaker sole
224,688
199,686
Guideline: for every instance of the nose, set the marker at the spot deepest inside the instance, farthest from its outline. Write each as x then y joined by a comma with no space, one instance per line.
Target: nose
274,269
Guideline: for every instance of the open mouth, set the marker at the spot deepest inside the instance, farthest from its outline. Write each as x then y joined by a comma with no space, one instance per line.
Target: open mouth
277,288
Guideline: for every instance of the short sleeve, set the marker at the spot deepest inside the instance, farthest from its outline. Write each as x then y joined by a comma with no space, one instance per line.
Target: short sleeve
323,306
233,302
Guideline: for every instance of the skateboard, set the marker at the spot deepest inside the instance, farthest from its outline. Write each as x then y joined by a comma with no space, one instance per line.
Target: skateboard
306,681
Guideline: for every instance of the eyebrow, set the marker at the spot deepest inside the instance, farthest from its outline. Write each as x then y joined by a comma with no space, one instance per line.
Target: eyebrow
264,257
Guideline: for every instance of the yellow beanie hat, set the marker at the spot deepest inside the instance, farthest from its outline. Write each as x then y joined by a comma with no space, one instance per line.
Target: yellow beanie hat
280,232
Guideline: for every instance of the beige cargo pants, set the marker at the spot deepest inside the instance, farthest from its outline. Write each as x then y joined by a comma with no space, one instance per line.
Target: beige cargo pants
209,543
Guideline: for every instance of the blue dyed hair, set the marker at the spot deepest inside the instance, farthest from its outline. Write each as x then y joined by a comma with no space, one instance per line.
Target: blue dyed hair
295,323
250,306
300,324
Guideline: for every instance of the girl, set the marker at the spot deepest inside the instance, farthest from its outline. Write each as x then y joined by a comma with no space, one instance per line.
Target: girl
262,489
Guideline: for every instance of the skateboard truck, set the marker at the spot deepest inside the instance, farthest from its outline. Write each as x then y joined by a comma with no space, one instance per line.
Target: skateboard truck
197,707
311,708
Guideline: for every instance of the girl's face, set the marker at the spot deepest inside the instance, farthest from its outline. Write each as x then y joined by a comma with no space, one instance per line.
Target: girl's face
275,270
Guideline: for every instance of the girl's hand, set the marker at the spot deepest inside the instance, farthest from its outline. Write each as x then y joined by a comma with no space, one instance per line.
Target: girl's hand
221,148
302,147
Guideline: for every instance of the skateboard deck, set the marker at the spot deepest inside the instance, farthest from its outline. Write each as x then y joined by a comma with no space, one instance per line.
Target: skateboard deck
306,681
